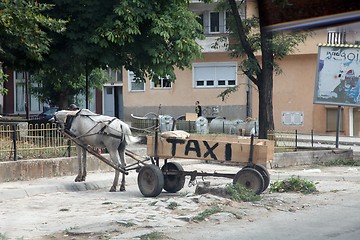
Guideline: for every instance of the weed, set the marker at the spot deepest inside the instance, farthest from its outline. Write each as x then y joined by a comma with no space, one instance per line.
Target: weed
68,230
239,193
107,203
64,210
153,203
293,184
206,213
126,224
3,236
172,205
341,162
153,236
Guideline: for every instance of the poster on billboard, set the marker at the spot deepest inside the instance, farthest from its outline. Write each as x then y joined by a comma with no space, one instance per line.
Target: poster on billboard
338,75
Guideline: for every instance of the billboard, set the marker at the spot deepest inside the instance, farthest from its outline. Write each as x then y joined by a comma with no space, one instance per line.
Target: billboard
338,75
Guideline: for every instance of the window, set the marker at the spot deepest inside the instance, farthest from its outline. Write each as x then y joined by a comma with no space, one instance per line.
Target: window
214,75
115,75
161,83
200,20
214,22
135,86
20,94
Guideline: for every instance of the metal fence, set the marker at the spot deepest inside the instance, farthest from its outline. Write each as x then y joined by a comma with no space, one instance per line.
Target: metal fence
40,141
293,140
32,141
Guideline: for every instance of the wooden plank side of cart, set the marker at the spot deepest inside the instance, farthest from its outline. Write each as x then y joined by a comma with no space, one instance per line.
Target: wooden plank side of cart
212,149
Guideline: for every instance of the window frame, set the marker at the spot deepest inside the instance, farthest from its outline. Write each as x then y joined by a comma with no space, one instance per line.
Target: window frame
20,95
218,20
161,80
214,82
131,81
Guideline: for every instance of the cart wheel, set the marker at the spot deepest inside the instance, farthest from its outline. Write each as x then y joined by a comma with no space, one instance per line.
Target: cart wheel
173,183
251,179
150,180
264,173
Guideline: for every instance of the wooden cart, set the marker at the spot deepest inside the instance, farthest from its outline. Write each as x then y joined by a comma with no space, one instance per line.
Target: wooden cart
254,155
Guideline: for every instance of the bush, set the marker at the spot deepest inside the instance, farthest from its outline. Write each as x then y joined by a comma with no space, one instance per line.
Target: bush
293,184
239,193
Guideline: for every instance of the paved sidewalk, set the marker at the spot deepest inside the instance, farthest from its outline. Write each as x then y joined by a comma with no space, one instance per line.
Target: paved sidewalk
94,181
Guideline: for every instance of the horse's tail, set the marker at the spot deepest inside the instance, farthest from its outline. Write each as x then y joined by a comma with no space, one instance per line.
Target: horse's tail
129,138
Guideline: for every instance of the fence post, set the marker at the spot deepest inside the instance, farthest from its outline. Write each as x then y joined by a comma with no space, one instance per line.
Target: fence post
14,142
69,148
312,138
296,140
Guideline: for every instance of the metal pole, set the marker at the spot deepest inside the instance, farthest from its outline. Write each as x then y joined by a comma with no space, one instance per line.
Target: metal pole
14,142
338,126
250,163
296,140
27,98
312,138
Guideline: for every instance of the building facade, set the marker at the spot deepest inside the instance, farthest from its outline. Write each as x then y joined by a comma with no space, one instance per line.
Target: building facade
209,76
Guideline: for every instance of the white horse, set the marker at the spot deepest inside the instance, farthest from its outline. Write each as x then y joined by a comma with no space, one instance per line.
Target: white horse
97,131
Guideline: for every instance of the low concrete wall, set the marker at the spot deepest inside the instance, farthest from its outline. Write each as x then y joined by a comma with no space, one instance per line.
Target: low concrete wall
287,159
46,168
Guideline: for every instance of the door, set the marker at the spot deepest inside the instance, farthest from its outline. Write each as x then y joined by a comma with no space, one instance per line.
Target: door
109,103
113,101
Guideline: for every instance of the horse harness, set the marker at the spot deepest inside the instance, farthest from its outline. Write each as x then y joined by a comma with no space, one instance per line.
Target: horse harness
70,119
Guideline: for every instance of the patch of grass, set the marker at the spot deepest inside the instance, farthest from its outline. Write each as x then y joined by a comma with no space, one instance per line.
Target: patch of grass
126,224
172,205
206,213
64,210
107,203
153,203
239,193
341,162
153,236
293,184
3,236
68,230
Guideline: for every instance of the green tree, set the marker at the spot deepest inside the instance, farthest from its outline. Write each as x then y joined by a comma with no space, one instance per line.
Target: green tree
23,38
58,87
250,36
150,38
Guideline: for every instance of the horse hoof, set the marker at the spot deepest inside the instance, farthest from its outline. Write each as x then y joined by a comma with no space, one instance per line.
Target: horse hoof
112,189
122,189
77,180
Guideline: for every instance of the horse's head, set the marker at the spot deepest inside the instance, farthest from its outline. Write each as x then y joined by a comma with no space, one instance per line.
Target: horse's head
61,116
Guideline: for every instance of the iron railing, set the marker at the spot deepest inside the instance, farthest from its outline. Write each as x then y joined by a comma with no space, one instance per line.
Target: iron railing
32,141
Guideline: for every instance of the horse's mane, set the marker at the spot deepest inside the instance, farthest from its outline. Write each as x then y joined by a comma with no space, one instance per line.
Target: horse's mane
86,112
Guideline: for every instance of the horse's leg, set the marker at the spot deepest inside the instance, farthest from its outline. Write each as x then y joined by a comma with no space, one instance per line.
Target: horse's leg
84,173
114,155
79,157
123,165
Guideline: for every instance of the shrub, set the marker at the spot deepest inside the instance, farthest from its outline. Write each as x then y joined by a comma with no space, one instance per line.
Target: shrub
293,184
239,193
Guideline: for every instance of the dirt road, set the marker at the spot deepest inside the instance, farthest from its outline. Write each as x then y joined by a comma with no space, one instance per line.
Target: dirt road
128,215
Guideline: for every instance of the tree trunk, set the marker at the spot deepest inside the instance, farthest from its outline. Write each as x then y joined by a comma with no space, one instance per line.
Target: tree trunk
265,86
264,74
